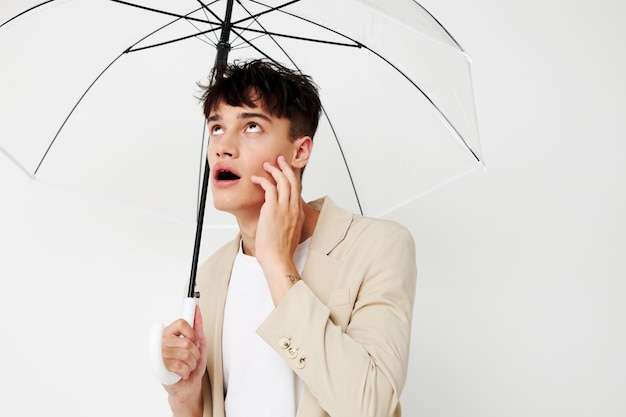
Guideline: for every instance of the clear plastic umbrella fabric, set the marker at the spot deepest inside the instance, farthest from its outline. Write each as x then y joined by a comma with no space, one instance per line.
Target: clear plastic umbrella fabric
101,96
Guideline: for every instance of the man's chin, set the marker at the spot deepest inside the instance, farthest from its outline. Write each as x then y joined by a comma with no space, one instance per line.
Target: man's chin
237,208
220,206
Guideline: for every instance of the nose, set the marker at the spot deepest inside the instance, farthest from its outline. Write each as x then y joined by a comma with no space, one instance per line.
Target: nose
224,145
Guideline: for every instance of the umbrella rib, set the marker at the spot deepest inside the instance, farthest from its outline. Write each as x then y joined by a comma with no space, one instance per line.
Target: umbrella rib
441,26
26,11
246,43
269,10
445,118
252,45
355,44
249,42
205,39
129,49
300,38
332,127
200,35
178,17
246,27
150,9
72,112
206,8
304,19
347,37
235,25
345,161
272,34
193,35
441,113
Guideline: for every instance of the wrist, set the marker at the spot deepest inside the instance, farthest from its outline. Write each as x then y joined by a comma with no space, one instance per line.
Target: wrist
280,280
293,279
186,406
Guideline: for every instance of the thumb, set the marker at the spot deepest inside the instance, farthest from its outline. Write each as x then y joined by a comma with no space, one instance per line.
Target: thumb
198,327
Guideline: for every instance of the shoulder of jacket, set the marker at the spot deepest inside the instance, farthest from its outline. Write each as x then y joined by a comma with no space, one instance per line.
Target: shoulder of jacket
371,224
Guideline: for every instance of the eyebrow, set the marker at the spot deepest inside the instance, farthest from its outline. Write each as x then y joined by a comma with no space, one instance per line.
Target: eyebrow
244,115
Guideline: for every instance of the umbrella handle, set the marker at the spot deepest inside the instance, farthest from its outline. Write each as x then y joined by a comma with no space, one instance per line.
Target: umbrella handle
156,336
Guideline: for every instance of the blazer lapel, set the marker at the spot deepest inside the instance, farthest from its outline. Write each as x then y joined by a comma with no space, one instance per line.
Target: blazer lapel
215,289
321,267
332,225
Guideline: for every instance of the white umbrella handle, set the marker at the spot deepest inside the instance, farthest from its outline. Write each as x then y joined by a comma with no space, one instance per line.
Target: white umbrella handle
156,353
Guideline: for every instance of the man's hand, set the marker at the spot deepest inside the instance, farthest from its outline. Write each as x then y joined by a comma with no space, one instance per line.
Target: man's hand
184,352
280,227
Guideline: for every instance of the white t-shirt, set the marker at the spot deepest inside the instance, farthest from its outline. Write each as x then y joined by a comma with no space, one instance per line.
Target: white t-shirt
257,381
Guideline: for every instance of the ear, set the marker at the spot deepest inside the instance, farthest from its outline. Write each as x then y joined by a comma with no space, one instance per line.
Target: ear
302,151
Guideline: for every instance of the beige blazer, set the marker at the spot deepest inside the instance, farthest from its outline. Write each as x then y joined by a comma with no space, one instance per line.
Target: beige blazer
344,329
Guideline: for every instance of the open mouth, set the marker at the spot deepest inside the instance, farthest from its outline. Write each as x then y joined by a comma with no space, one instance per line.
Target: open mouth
225,175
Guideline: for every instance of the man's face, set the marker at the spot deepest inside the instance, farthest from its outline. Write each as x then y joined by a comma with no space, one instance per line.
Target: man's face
241,139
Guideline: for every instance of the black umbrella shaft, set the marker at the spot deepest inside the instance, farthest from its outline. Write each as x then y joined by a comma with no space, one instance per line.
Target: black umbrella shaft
223,46
221,59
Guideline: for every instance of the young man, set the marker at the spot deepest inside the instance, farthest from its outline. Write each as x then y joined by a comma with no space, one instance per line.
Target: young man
307,312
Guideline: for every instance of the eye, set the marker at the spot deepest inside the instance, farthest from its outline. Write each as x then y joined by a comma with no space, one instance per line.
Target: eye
216,130
253,128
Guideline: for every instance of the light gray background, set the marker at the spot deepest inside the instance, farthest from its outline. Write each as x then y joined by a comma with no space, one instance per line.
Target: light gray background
522,273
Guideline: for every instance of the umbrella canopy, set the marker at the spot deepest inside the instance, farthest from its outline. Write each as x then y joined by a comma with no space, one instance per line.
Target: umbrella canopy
102,96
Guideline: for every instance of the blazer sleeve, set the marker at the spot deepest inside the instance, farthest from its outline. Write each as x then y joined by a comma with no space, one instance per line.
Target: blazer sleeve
360,371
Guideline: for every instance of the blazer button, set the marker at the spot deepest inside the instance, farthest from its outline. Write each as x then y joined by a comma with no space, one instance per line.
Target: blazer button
301,363
292,352
284,342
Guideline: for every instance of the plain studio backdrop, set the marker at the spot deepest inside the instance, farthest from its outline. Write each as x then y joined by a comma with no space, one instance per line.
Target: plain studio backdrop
522,269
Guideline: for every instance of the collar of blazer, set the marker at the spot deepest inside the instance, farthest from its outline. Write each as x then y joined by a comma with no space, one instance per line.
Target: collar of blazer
331,229
332,225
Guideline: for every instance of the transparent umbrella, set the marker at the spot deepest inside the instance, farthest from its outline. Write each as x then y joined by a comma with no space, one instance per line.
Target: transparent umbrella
101,97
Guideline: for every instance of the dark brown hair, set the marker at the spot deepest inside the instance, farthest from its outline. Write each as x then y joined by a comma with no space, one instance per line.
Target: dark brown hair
281,91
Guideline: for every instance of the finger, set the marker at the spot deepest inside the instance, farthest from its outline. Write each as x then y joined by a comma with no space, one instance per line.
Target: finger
179,345
290,175
180,328
199,328
180,355
180,348
181,359
202,344
283,186
271,193
184,369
